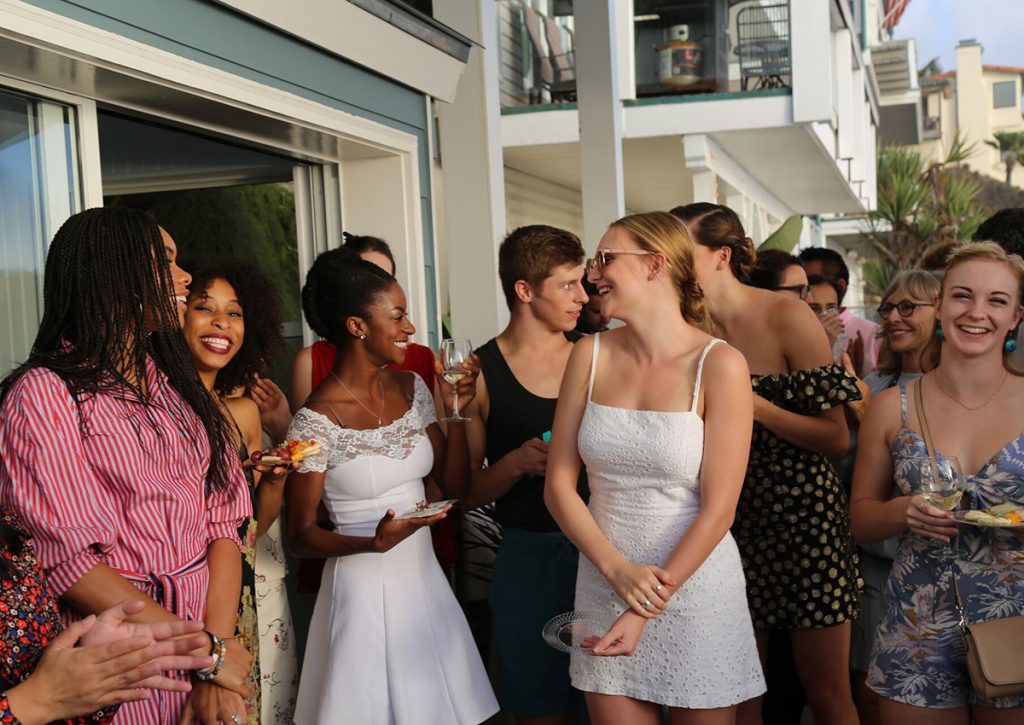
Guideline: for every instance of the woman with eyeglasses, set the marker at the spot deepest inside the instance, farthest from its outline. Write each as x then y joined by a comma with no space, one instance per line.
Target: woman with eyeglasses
657,410
969,407
907,314
792,523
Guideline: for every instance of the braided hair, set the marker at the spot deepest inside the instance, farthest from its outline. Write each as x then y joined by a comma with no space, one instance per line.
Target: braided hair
107,282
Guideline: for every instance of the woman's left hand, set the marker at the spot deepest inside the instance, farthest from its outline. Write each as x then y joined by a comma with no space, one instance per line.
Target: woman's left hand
210,704
465,388
930,521
271,472
275,417
620,640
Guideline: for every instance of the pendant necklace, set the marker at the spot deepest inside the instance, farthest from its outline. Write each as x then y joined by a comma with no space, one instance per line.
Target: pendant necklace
379,416
967,407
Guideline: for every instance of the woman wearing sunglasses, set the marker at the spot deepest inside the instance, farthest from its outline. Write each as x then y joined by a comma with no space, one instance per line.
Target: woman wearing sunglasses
792,524
658,412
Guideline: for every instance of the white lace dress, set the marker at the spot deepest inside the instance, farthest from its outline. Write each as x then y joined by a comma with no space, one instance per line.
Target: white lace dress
388,642
644,473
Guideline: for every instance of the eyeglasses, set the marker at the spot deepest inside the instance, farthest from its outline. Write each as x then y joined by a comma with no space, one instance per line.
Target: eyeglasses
602,257
803,290
905,307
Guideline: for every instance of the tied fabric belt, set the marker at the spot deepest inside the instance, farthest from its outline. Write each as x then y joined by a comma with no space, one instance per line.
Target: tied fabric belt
169,589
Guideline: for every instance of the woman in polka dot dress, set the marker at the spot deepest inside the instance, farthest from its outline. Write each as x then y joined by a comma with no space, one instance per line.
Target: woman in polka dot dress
792,523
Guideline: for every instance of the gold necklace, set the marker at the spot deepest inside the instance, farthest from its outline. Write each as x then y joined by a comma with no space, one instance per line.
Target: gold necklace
960,403
380,380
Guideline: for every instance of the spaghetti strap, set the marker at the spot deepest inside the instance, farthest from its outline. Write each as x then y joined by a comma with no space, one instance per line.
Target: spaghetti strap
700,370
593,367
903,403
341,423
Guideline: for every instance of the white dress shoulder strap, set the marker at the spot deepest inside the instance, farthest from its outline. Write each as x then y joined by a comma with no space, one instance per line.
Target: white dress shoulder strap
700,370
593,367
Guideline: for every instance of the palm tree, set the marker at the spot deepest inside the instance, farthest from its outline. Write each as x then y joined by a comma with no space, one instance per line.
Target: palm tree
921,203
1010,145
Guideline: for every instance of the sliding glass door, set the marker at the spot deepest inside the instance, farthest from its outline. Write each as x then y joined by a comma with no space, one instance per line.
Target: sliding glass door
40,187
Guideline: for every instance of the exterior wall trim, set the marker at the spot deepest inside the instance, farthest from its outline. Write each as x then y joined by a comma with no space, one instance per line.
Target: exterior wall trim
43,29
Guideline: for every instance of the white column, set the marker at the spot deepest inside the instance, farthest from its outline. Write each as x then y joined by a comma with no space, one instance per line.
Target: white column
811,57
697,153
473,176
600,116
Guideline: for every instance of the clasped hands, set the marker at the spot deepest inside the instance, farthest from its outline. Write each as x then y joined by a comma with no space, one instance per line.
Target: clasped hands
645,589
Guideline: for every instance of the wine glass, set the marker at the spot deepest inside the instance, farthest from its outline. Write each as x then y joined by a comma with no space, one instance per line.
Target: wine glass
454,352
942,485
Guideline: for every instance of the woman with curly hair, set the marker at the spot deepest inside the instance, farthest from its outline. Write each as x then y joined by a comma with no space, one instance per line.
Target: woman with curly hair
232,327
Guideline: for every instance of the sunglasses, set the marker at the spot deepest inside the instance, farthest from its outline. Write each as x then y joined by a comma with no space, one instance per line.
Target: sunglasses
904,307
602,257
803,290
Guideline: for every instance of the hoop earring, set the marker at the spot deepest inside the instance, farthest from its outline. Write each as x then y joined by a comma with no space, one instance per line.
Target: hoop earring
939,334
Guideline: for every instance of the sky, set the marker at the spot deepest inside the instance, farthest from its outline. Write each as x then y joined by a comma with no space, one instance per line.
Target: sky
938,25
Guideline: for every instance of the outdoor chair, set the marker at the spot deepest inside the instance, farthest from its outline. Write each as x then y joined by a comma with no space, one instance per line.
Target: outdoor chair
554,68
762,45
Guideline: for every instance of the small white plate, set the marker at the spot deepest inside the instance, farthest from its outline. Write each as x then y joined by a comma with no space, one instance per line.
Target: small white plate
434,508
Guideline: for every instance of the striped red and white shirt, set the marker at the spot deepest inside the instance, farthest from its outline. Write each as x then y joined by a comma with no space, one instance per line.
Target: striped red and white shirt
129,494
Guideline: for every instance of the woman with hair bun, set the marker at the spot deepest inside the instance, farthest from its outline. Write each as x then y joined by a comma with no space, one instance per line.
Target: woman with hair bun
792,525
388,642
658,411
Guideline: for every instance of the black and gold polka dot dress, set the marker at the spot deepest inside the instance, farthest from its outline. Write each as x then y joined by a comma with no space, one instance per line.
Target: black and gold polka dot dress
793,520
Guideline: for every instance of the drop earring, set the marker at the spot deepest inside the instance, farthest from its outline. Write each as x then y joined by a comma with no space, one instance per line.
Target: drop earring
939,334
1010,344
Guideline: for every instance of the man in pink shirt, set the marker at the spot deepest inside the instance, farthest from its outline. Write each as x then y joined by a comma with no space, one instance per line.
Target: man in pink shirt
861,335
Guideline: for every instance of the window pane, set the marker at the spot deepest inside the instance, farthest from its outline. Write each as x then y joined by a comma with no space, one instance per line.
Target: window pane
1004,94
39,189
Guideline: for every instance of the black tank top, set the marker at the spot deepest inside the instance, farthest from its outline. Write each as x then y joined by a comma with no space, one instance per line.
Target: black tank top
516,415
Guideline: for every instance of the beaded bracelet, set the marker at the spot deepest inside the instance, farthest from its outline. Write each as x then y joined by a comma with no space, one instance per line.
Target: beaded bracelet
218,648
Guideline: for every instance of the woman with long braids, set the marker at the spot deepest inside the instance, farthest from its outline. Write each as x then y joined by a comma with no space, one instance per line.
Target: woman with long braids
792,524
118,460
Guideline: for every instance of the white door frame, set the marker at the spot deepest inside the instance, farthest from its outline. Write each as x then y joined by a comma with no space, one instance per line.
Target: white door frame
92,47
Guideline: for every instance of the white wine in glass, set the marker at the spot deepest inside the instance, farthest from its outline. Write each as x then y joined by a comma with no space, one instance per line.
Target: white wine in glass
942,485
454,352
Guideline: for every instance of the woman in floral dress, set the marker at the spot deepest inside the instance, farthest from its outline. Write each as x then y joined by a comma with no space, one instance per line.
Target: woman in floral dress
974,407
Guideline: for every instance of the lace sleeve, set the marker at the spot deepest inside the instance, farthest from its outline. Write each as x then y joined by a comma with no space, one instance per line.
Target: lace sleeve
308,425
423,402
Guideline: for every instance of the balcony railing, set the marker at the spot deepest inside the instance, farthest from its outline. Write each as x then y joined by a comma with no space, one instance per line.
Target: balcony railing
681,47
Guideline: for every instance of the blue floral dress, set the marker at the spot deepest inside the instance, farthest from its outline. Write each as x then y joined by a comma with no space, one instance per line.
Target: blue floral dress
918,655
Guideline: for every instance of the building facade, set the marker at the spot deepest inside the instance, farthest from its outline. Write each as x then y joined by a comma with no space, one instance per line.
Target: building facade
117,101
618,106
975,101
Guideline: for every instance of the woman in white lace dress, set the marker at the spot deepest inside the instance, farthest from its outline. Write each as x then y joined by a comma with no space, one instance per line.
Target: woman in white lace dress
660,414
388,643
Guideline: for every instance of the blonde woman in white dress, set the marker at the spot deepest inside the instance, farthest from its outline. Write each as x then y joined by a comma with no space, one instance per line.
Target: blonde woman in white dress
660,412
